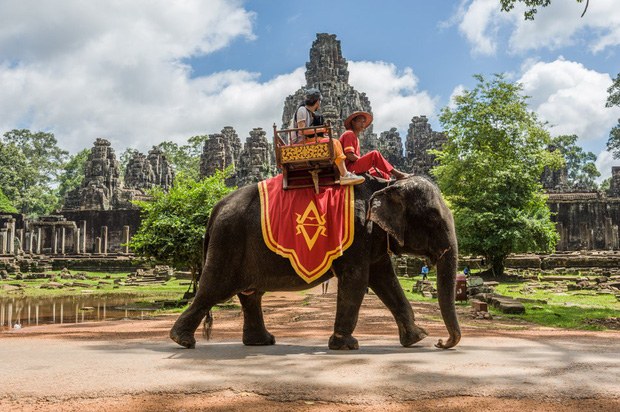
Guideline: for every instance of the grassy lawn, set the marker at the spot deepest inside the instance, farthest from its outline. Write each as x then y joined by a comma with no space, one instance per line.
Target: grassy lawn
172,288
568,309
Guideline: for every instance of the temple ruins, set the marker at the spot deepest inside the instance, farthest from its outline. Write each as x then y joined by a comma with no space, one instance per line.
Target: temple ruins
99,218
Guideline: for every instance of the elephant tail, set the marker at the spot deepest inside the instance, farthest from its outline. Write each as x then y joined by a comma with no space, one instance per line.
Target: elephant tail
446,285
207,326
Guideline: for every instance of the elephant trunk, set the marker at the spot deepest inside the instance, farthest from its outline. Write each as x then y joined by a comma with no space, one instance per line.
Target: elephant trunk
446,285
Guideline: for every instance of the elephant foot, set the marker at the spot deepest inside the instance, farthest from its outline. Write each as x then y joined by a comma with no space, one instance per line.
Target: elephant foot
449,344
343,342
412,335
258,339
184,339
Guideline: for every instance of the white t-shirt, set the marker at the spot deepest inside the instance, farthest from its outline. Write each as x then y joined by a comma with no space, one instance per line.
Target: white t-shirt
303,114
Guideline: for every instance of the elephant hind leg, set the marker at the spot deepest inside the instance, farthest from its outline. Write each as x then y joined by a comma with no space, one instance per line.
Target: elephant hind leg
208,296
254,331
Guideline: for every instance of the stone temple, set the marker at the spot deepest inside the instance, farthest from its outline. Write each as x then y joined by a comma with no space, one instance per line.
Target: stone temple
585,220
99,217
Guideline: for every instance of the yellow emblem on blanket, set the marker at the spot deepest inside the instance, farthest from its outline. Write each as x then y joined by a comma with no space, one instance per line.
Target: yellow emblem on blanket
305,222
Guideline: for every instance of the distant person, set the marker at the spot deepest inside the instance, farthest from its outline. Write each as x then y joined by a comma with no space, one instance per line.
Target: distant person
467,271
324,287
425,272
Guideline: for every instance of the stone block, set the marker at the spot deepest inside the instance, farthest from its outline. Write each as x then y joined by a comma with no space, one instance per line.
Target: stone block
511,307
475,281
479,305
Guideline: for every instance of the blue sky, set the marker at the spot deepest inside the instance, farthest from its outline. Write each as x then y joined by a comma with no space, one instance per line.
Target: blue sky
138,72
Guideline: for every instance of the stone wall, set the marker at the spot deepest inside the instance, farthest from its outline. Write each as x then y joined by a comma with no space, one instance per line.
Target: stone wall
586,221
98,222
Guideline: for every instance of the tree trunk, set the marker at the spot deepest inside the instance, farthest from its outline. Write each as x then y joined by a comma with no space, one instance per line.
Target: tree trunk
497,265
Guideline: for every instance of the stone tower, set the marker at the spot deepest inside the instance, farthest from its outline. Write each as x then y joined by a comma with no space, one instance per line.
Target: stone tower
220,151
139,173
420,139
390,145
101,184
146,172
257,159
328,71
614,184
162,170
554,180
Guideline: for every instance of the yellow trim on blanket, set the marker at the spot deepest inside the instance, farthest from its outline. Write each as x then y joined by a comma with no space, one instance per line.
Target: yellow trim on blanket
330,256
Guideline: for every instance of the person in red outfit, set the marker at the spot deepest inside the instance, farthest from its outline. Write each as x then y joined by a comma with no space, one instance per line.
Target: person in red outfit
373,162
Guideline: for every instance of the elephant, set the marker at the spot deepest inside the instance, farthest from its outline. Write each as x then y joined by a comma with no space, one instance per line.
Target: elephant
407,216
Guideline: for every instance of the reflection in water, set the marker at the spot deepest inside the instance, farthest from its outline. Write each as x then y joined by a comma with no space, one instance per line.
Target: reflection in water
79,309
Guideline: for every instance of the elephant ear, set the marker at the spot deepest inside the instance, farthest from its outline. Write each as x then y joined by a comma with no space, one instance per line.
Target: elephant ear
388,211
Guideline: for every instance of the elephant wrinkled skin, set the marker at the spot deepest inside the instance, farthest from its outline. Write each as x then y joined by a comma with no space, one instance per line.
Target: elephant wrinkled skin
411,211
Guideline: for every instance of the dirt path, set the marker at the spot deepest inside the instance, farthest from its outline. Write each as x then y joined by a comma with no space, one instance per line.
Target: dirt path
132,365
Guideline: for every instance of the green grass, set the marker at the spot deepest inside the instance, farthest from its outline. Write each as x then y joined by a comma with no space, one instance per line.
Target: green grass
407,283
554,314
173,288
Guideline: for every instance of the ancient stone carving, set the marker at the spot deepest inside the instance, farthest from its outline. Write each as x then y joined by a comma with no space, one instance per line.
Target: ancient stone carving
257,159
614,184
101,180
220,151
420,139
162,170
102,188
139,173
391,147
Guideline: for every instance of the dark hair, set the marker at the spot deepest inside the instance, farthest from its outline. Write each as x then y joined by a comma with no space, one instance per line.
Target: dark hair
311,101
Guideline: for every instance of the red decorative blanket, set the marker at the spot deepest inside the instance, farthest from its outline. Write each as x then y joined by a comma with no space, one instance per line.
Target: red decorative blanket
309,229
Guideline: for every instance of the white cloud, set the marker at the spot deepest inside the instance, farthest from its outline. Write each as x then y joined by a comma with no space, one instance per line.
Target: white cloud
603,163
480,23
457,91
555,26
394,94
571,98
114,69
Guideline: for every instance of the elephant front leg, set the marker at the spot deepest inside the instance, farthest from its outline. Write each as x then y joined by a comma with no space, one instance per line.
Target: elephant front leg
351,288
384,283
254,331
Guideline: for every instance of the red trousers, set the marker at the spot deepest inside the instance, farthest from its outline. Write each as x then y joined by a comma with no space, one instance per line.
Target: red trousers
373,163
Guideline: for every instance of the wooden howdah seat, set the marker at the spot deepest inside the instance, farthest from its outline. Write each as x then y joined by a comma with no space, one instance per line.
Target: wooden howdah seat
307,164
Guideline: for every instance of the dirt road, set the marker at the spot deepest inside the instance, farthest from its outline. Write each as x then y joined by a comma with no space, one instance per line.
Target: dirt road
132,365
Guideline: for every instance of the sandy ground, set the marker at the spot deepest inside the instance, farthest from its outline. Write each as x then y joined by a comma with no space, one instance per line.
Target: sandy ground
132,365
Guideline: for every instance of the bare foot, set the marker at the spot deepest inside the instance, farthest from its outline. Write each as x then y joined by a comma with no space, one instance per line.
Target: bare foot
400,175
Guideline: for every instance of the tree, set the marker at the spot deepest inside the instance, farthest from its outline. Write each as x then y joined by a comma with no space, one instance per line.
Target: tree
125,157
5,204
613,144
606,184
579,164
30,163
173,224
185,159
529,14
489,172
72,174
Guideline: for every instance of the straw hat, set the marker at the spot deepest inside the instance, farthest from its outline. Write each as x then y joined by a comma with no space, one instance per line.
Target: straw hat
368,116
